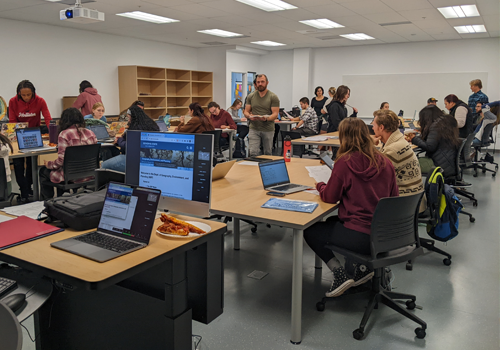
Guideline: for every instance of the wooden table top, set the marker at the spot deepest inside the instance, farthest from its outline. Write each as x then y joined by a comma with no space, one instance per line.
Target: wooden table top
241,194
56,262
17,154
330,142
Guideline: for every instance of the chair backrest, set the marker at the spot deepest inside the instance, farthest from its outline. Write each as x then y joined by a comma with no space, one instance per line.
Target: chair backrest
485,139
80,161
217,134
242,131
105,176
11,335
395,224
3,180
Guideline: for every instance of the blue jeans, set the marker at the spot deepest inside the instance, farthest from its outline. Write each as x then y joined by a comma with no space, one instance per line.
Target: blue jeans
476,143
116,163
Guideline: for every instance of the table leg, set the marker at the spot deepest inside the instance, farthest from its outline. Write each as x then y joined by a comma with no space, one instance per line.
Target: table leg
34,174
231,145
236,234
317,262
298,238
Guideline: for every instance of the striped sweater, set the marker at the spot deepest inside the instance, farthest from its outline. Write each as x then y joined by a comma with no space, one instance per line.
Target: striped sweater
408,175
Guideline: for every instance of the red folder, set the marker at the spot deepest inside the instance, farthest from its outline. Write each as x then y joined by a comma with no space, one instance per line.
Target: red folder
23,229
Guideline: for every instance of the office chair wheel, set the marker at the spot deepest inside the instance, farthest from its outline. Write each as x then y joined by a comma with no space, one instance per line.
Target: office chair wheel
484,171
253,229
420,332
496,167
474,204
447,261
475,174
494,174
472,219
410,304
320,306
409,266
358,334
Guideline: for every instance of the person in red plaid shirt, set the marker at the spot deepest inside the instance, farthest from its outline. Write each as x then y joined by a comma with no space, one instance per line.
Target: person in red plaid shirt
72,132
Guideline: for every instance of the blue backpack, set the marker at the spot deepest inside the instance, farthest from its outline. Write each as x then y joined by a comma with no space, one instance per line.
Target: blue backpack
444,207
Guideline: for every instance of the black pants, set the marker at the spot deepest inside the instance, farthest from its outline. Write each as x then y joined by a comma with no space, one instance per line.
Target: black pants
332,231
305,131
47,191
23,179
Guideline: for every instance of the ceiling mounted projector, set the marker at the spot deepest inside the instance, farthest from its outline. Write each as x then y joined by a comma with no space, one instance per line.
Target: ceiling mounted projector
79,14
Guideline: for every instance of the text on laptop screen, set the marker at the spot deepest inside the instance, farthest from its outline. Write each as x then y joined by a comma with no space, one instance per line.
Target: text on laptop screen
99,131
129,211
273,173
29,138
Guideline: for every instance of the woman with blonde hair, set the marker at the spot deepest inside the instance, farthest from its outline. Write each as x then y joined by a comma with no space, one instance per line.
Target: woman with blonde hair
234,109
97,112
360,178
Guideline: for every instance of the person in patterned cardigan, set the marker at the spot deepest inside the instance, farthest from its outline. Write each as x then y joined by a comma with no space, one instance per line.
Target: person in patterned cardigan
399,152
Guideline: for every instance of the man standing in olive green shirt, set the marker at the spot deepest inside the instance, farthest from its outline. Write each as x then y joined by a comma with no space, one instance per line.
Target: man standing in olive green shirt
261,110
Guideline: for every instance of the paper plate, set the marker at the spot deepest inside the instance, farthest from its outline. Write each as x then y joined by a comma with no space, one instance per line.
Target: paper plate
200,225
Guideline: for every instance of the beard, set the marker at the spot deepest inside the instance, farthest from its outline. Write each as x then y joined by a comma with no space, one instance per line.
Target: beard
261,88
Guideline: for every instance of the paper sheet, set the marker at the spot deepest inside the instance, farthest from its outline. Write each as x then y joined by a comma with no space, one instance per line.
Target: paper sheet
316,138
319,173
248,163
4,218
31,210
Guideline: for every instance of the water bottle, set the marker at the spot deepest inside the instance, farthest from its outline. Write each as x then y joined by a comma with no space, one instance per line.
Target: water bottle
166,119
287,148
53,132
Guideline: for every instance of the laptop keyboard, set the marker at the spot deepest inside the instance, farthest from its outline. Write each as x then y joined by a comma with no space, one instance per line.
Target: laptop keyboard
6,285
107,242
285,187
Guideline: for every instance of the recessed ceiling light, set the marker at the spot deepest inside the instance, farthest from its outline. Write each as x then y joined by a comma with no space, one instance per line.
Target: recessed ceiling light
322,23
143,16
471,29
269,5
53,0
459,11
219,32
357,36
268,43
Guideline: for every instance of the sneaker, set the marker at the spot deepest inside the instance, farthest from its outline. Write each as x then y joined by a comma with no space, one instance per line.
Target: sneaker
340,283
361,275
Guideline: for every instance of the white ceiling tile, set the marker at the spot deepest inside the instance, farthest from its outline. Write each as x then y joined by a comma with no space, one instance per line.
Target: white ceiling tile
465,21
446,36
402,5
308,3
444,3
418,15
200,10
365,7
492,23
488,7
234,20
165,3
331,11
296,15
475,36
495,33
432,24
175,14
386,17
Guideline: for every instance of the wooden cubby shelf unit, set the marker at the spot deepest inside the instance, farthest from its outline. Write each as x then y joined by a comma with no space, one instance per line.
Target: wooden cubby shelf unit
164,90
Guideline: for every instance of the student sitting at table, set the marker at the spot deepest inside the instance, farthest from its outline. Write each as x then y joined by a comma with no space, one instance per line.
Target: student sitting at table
234,111
198,123
138,121
360,178
5,150
308,120
221,119
72,132
97,112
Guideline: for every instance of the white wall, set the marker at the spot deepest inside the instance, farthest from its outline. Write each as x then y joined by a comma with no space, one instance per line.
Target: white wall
57,59
213,59
239,63
278,66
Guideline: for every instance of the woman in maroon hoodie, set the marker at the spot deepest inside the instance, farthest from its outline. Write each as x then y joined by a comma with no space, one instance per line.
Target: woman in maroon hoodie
26,107
360,178
87,98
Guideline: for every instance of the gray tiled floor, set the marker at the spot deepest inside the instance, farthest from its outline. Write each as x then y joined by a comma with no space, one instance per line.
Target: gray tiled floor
460,302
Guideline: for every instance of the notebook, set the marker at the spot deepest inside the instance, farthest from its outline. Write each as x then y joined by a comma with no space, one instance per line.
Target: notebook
101,133
275,178
30,140
127,219
221,169
23,229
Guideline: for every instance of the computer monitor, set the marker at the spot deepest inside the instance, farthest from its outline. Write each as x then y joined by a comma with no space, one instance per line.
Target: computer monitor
180,165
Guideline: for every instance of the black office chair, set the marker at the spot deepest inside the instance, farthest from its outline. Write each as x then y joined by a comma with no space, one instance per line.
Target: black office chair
486,141
297,150
80,162
5,200
11,333
105,176
218,156
239,148
394,239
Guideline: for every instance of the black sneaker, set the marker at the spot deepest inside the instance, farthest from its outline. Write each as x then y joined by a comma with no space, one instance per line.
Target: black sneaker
340,283
361,275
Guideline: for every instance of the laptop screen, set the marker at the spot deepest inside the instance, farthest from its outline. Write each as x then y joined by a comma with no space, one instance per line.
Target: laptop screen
99,131
29,138
129,212
162,125
274,173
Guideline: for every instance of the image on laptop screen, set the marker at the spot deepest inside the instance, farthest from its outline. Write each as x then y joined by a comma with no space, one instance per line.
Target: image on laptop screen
99,131
129,211
29,138
273,173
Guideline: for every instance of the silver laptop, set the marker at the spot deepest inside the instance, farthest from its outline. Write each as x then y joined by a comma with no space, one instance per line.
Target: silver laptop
275,178
127,219
30,140
101,133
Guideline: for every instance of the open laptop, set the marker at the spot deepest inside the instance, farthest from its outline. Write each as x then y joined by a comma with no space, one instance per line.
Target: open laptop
127,219
275,178
162,125
221,169
30,140
101,133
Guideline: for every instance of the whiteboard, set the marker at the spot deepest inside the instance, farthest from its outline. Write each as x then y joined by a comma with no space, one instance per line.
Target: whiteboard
407,92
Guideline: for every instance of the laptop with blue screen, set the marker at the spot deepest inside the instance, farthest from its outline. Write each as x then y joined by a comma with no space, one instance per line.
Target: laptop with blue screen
30,140
275,178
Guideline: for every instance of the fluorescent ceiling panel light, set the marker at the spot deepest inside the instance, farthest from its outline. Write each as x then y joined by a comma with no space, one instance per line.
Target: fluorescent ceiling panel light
269,5
53,0
459,11
357,36
267,43
322,23
471,29
143,16
220,32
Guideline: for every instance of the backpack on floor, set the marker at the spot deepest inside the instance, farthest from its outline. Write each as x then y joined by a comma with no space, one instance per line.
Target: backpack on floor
444,207
239,148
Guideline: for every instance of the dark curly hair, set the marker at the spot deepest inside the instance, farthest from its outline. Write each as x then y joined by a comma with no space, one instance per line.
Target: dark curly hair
69,117
140,120
25,84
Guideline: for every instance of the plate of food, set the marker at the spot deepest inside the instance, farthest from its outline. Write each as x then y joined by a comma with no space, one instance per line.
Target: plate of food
179,229
45,136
